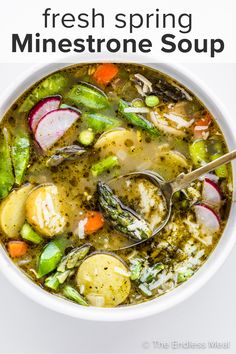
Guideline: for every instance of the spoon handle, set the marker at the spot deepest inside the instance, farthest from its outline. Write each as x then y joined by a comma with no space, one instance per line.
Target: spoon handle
183,180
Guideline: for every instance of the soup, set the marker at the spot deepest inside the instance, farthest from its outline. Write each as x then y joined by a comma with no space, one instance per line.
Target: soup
69,222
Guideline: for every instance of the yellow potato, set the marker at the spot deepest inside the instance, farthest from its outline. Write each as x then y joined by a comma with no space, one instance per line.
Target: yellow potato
44,211
104,280
119,139
12,211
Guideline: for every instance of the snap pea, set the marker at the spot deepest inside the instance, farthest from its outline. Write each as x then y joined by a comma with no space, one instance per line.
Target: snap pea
222,171
74,295
104,165
88,96
198,152
6,173
66,266
100,122
28,234
52,85
137,120
51,255
20,155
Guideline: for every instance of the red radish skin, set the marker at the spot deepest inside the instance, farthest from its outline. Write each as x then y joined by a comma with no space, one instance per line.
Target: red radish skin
211,193
43,107
207,217
54,125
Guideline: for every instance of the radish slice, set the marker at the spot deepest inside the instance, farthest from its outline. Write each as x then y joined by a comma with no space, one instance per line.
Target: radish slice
54,125
44,106
211,193
207,218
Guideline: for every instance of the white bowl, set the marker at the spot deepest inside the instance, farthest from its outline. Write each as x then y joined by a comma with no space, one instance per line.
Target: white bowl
25,285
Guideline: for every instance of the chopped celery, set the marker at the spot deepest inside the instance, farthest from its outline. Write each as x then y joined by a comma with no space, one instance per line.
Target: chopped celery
52,85
28,234
104,165
198,152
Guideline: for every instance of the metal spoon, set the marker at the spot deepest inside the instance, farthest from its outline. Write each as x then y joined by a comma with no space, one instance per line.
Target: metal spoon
169,188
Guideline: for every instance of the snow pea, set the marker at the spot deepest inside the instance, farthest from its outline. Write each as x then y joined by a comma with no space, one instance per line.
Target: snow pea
52,255
88,96
100,122
53,84
20,155
6,172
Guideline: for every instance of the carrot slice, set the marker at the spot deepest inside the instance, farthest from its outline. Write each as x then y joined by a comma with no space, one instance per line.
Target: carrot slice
17,248
202,126
95,221
105,73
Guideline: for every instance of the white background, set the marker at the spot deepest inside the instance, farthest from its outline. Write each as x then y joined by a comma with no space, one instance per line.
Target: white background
209,315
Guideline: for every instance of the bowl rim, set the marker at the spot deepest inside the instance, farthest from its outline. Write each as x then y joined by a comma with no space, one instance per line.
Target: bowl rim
175,296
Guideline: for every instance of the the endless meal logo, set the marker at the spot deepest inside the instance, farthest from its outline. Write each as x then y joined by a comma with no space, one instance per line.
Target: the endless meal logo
176,39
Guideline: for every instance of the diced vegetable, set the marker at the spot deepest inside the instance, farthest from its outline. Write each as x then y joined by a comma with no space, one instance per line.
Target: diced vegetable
86,137
207,218
198,152
67,153
51,256
88,96
44,211
52,85
137,120
67,266
74,295
120,216
137,103
145,289
6,174
20,155
183,276
150,273
12,211
95,221
103,165
100,122
152,101
136,268
53,126
28,234
105,73
43,107
201,126
222,171
104,277
211,193
17,248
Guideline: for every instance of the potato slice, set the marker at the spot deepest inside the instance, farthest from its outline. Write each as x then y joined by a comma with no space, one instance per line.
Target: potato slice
104,280
12,211
119,139
44,211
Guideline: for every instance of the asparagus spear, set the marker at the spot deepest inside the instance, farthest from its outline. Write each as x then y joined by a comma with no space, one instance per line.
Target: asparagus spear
121,217
66,266
68,153
20,155
74,295
137,120
104,165
6,174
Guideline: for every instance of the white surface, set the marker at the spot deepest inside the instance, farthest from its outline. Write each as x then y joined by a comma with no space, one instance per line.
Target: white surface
210,315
